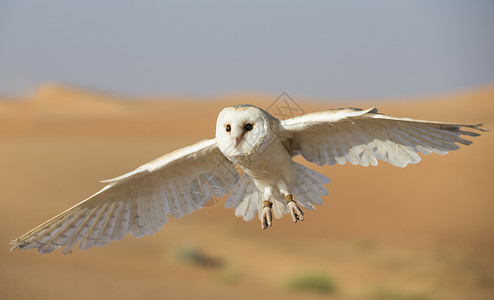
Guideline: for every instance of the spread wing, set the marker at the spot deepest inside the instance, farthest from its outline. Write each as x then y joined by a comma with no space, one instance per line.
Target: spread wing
361,137
139,202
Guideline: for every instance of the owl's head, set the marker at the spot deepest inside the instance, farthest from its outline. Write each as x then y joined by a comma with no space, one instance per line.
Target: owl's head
240,129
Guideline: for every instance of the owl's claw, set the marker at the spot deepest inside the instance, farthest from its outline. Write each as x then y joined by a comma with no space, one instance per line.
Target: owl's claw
295,211
267,215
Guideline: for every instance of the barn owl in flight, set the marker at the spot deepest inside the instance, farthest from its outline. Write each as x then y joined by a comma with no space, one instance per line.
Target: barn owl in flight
271,184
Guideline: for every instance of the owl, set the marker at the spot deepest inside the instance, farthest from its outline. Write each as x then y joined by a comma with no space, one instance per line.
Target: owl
271,184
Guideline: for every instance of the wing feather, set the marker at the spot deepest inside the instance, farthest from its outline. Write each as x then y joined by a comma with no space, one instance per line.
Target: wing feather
79,232
362,137
104,237
122,222
138,202
93,231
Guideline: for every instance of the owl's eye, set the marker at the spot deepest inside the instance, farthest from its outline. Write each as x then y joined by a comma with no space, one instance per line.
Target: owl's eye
248,127
228,128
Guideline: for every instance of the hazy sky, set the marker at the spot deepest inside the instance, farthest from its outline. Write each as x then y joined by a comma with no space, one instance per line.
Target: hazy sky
324,49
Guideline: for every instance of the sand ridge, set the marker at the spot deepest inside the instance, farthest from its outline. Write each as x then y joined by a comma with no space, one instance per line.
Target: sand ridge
423,231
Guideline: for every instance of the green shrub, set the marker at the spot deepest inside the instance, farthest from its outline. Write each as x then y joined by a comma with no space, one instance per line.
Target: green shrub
193,255
313,282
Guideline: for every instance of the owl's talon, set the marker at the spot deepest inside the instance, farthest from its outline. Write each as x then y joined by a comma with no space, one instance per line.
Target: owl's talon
295,211
267,217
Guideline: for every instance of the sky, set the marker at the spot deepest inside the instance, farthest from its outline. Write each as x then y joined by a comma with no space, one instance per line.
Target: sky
323,49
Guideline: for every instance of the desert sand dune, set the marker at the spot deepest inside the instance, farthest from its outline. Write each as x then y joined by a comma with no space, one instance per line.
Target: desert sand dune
422,232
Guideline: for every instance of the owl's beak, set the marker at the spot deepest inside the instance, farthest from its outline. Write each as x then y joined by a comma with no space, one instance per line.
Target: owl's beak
237,141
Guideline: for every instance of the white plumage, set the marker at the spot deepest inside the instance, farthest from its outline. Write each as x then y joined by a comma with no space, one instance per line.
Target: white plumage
181,182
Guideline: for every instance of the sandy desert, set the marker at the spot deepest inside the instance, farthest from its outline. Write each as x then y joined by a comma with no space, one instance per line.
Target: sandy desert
422,232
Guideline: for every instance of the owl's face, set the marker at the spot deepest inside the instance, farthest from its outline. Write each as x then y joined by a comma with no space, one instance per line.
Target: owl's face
240,129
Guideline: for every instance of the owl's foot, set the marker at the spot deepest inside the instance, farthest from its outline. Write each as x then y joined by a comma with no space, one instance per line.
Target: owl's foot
267,215
295,211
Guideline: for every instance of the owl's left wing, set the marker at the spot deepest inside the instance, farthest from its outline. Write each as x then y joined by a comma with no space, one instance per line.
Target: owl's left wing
361,137
138,202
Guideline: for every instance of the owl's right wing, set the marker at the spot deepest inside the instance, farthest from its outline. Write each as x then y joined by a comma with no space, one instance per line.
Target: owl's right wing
139,202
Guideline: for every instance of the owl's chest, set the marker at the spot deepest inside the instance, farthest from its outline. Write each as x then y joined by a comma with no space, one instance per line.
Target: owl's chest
264,163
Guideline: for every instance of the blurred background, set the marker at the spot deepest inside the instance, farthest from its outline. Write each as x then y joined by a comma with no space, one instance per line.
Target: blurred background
90,90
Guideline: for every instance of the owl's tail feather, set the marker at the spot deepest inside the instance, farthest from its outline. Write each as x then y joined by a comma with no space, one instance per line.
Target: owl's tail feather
309,187
246,198
308,190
